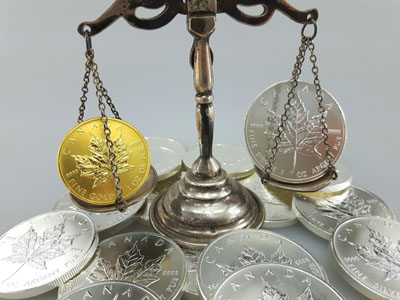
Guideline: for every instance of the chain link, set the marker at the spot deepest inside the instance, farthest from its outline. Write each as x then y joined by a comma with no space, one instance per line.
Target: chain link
92,68
306,43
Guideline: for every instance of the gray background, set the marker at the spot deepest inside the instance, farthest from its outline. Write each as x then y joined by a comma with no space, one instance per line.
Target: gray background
148,76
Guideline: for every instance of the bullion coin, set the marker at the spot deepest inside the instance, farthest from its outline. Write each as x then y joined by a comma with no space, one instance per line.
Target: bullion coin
105,222
300,155
367,251
235,160
275,282
166,156
192,288
322,215
43,252
342,182
112,290
241,248
144,258
277,202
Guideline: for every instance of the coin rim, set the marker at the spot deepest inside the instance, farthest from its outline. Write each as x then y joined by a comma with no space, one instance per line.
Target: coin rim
128,194
282,179
358,285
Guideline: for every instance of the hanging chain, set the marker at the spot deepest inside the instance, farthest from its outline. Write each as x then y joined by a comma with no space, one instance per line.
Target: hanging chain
92,68
306,43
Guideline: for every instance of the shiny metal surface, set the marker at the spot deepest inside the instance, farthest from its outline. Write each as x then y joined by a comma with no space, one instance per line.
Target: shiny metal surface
301,153
144,258
235,160
45,251
344,180
192,289
142,193
366,249
241,248
106,222
277,202
206,202
322,215
275,282
166,156
112,290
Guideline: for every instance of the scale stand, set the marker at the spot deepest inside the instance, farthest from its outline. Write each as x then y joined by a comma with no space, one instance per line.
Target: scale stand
206,202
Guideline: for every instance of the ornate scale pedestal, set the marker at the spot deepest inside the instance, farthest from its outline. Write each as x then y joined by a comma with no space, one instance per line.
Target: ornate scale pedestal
206,202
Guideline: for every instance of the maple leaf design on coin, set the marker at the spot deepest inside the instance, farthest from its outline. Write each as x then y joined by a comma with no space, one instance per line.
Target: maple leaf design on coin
36,250
98,165
301,133
350,207
251,256
130,266
272,293
384,255
306,295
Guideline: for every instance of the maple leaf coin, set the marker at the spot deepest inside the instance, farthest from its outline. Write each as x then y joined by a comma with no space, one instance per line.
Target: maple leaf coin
144,258
235,160
41,253
277,202
240,248
322,215
267,281
166,156
106,222
112,290
300,156
84,161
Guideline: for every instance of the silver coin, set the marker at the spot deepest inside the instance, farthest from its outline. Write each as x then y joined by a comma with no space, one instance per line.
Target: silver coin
275,282
166,156
112,290
235,160
301,153
343,182
144,258
322,215
241,248
106,222
367,251
277,202
43,252
192,289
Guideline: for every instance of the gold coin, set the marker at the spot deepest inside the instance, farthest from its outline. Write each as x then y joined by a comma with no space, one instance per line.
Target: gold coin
84,161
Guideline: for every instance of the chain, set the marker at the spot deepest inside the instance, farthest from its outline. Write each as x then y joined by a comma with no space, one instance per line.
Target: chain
92,68
306,43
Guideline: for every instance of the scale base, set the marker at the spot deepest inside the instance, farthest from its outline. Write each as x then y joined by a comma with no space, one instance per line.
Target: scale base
195,211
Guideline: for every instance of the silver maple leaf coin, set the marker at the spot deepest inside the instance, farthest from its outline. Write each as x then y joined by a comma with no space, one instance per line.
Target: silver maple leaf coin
367,252
144,258
277,202
235,160
322,215
166,156
106,222
244,247
112,290
43,252
300,156
275,282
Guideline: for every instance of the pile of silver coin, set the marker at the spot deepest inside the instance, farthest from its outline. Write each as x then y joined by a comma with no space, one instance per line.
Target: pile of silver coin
114,255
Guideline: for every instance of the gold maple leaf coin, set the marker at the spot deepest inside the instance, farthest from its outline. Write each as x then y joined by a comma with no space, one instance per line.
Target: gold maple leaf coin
84,161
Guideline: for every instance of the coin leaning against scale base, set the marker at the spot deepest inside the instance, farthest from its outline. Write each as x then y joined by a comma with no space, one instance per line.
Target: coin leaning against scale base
272,281
367,253
277,202
322,215
43,252
144,258
241,248
166,156
112,290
